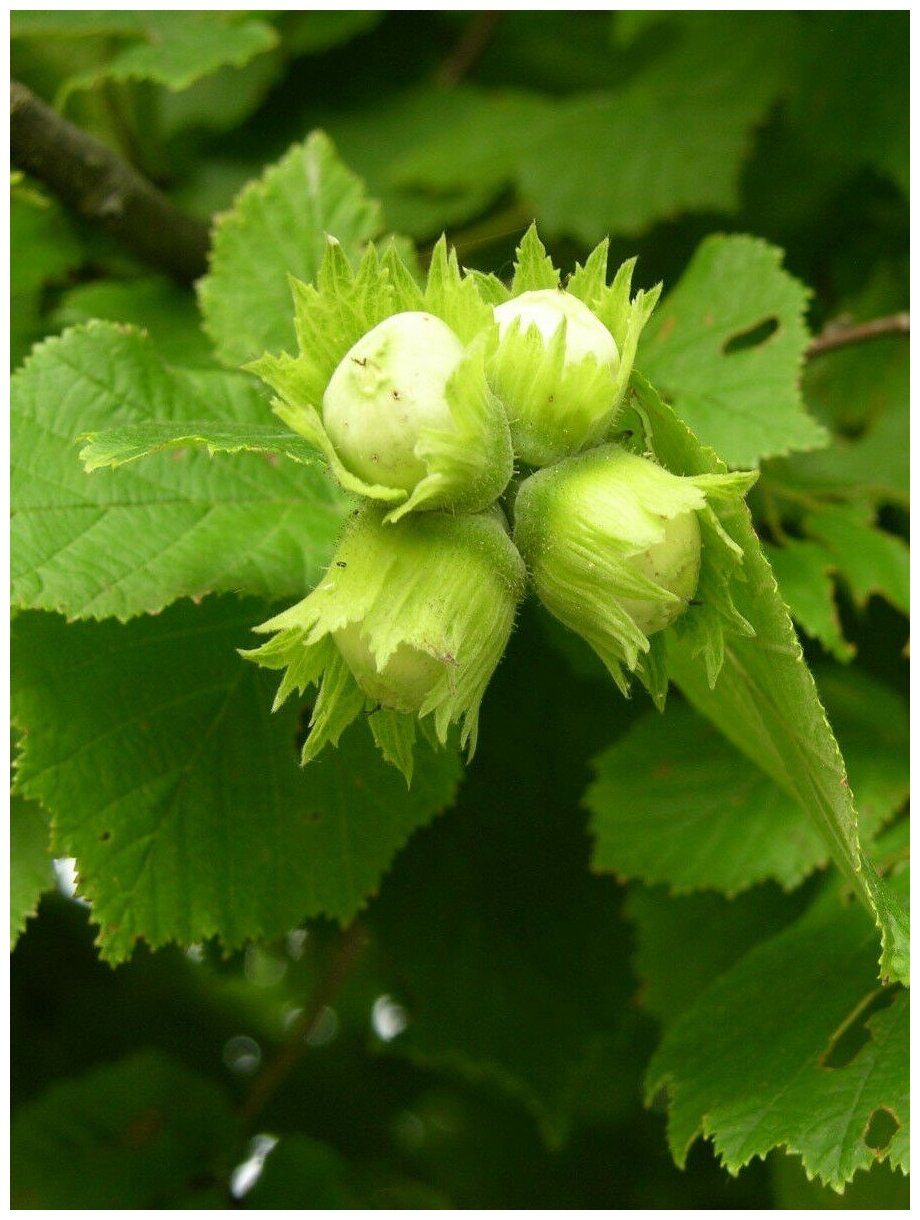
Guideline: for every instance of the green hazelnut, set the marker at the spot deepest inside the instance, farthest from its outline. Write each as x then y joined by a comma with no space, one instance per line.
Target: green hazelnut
388,388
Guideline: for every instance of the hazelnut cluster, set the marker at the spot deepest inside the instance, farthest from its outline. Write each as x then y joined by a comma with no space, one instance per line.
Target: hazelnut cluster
476,425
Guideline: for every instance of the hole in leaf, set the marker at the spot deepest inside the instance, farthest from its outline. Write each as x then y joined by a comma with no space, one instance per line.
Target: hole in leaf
754,336
849,1040
882,1127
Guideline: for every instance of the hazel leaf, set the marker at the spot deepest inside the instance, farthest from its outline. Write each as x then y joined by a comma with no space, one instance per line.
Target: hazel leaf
725,348
765,700
30,862
181,524
116,446
842,540
804,571
47,249
153,746
810,1054
167,311
869,559
672,137
173,49
864,393
675,803
130,1134
277,228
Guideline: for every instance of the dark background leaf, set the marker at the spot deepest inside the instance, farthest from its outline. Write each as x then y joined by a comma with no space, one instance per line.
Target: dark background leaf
484,1046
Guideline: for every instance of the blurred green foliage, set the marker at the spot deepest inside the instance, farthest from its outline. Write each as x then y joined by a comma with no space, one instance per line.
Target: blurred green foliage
482,1040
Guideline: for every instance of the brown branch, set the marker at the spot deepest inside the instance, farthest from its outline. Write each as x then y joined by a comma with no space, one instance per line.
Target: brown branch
352,945
842,333
474,40
104,188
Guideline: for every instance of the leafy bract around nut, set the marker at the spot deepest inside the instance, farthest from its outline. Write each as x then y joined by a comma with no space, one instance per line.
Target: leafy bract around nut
390,383
409,622
616,545
560,358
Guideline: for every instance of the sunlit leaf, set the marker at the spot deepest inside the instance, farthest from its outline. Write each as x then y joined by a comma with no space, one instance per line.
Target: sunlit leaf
675,803
130,541
154,748
810,1054
765,701
726,346
277,228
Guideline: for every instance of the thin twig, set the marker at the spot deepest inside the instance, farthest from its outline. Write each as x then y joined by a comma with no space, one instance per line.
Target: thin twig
510,221
842,333
104,188
474,40
352,945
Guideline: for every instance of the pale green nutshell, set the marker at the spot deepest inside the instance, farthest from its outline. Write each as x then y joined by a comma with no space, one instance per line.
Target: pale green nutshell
407,625
386,391
561,355
390,383
614,546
